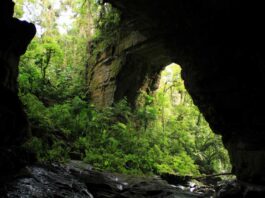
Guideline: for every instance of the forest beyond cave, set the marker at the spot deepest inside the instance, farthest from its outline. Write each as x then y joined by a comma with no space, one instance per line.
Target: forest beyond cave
164,133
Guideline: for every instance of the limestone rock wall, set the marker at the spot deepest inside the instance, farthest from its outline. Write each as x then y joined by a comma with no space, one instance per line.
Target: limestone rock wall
121,69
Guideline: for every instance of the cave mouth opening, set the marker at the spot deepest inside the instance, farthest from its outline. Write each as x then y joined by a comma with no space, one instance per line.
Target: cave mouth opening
165,134
188,131
246,162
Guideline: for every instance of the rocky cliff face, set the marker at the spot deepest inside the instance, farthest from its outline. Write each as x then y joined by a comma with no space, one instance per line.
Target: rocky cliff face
219,46
14,38
121,69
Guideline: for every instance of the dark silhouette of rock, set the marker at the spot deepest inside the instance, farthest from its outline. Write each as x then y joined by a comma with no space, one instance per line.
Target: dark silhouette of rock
14,38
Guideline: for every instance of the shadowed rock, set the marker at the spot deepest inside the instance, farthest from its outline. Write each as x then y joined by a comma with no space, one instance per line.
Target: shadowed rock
14,39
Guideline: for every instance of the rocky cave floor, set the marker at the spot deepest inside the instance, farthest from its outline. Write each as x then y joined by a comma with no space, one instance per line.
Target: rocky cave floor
77,179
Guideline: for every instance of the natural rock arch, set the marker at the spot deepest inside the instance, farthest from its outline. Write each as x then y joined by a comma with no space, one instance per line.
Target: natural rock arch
218,46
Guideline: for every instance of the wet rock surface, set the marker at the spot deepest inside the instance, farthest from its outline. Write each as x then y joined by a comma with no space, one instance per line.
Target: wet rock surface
77,179
38,181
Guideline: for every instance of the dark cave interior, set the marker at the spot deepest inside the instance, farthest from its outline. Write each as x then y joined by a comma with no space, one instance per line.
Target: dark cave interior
219,45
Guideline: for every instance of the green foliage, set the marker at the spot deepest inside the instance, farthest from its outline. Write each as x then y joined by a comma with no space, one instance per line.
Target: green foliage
165,133
185,127
106,23
159,136
18,8
105,31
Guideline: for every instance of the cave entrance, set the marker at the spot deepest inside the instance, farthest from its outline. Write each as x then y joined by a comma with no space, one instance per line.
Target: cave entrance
166,133
184,127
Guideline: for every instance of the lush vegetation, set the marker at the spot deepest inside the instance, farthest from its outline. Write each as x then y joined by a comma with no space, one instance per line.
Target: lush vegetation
165,133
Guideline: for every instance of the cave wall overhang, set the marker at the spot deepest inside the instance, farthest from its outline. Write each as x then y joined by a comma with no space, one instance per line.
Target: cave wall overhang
219,46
